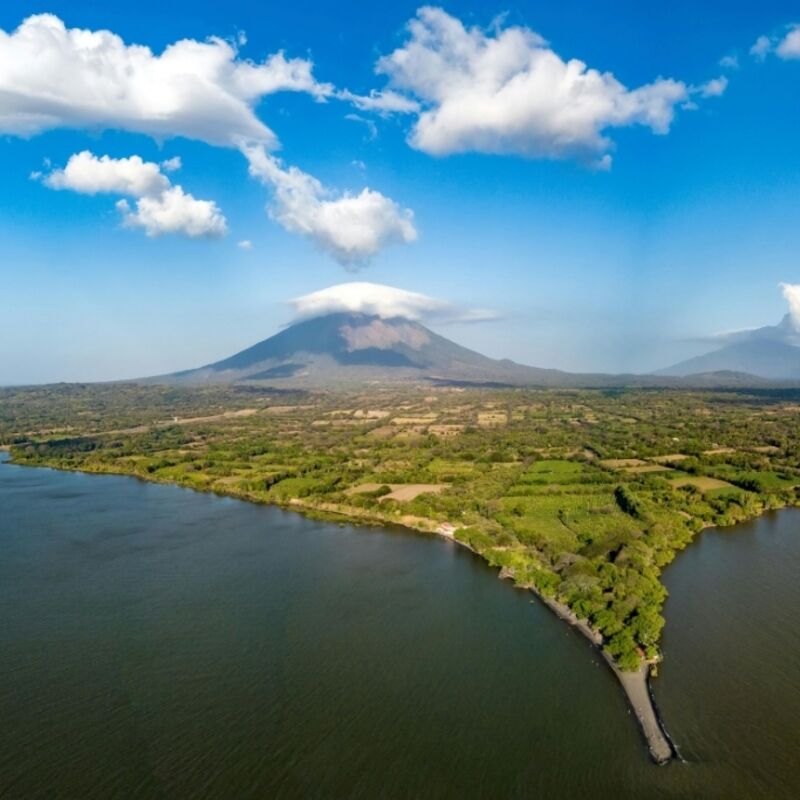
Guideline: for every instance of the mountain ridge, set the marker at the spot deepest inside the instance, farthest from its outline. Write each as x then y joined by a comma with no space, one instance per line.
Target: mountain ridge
351,348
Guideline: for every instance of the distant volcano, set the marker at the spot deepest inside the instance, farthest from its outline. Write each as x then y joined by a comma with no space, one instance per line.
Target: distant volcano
345,348
771,352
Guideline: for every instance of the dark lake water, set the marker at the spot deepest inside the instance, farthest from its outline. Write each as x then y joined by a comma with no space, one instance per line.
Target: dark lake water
155,642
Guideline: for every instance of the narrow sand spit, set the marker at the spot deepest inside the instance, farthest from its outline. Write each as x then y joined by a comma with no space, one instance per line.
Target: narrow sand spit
638,692
634,684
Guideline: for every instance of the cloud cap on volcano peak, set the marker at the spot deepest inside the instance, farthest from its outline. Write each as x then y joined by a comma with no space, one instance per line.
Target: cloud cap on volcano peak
386,302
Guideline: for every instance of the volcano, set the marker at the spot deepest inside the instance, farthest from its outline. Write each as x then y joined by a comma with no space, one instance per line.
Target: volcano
346,348
770,352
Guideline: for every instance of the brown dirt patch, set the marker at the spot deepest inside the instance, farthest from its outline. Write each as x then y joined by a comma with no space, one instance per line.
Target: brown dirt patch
400,491
670,458
702,482
619,463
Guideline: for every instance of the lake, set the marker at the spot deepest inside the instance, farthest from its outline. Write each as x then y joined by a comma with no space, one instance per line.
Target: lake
156,642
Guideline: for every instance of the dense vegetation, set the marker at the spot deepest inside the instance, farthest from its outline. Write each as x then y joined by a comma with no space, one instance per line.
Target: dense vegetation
583,495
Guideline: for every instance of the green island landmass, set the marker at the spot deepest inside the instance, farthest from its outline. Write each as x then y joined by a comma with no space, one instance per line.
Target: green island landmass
583,496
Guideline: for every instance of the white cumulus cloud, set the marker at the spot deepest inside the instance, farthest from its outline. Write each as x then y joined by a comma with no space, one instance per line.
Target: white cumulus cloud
160,208
789,46
506,91
351,227
761,47
387,302
786,45
174,211
52,76
172,164
715,87
88,174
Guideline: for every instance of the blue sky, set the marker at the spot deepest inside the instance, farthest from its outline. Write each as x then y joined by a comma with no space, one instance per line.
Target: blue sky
688,233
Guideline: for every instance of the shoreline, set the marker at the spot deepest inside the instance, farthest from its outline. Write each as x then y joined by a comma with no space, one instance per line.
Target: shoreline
635,685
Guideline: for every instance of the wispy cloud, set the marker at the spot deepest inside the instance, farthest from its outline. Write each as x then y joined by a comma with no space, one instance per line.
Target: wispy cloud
388,102
372,128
